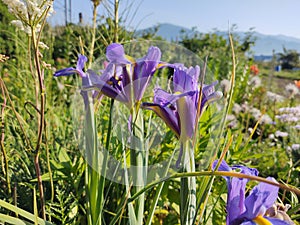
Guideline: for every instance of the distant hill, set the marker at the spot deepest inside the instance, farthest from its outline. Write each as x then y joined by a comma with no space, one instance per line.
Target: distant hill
264,45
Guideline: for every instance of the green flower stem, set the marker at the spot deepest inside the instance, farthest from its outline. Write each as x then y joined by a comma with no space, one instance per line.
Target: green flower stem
95,172
213,173
188,185
139,161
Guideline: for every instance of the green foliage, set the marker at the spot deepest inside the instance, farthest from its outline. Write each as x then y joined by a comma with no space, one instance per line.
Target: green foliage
66,198
217,49
289,59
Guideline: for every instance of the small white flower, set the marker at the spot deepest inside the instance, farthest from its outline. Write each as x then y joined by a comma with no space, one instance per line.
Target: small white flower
266,119
255,82
291,90
236,108
296,147
18,24
273,97
271,136
281,134
225,85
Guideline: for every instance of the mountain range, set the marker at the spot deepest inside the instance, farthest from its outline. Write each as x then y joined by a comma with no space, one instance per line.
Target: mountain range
264,44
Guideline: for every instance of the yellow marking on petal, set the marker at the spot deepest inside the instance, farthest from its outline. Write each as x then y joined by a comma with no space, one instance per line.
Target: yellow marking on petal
160,65
177,93
260,220
130,59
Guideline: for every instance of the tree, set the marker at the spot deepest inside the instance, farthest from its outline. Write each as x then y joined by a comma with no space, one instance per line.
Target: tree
289,59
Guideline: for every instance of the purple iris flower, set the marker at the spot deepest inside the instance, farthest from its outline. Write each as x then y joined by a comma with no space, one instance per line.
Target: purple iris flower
251,209
79,70
179,109
124,78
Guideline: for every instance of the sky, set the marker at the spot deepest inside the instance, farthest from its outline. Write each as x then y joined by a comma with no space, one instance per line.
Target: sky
265,16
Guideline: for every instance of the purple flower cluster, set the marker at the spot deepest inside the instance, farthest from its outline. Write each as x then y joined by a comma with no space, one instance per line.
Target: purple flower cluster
126,80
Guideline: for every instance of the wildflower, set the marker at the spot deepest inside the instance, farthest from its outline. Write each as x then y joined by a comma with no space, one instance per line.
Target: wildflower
273,97
281,134
297,127
291,90
78,70
232,121
124,78
179,110
251,209
225,85
29,13
297,83
254,69
296,147
255,82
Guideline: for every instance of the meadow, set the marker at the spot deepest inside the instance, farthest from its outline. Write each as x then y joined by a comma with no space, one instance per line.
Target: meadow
100,125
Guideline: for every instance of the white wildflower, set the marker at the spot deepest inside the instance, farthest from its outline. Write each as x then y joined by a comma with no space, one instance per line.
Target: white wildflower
225,85
255,113
266,119
273,97
271,136
296,147
18,24
232,121
236,108
291,90
29,12
281,134
255,82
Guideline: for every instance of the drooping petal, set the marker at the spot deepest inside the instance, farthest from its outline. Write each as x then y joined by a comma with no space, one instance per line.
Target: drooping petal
168,115
261,197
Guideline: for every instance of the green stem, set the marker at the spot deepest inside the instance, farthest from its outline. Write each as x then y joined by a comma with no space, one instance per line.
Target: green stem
139,161
188,186
41,113
213,173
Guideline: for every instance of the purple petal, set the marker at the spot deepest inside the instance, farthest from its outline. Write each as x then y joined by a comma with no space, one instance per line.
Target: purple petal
154,54
80,64
236,190
144,70
103,86
168,115
65,72
187,111
69,71
115,54
262,197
